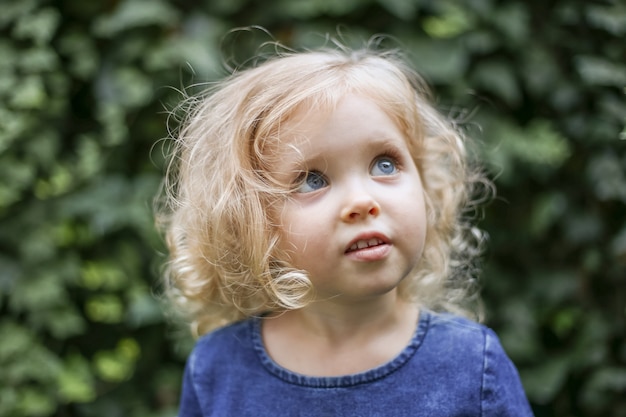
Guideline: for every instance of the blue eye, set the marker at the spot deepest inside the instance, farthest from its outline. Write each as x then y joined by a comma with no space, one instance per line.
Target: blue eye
384,166
312,181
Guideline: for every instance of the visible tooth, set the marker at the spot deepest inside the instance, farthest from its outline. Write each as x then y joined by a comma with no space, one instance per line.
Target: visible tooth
361,244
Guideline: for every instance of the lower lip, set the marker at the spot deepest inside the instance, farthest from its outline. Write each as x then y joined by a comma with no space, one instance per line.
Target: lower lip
373,253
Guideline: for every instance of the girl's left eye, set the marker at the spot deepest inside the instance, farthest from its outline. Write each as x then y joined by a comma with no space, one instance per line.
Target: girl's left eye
311,181
384,166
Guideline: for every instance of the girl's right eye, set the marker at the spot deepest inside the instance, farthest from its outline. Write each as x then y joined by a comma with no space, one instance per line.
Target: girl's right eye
311,181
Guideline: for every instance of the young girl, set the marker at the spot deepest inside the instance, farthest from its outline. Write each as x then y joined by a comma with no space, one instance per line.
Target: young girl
317,216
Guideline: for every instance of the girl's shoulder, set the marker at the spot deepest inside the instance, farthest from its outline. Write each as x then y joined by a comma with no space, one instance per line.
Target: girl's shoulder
452,320
230,333
450,325
468,351
230,341
226,330
447,333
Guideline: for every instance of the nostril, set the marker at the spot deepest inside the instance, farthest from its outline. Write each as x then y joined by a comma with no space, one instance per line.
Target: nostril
360,210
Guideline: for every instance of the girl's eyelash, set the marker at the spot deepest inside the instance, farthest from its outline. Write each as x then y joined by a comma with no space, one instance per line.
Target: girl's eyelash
302,174
393,154
298,178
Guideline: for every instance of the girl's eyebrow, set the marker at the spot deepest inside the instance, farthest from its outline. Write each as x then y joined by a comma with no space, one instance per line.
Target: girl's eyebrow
297,160
387,142
316,159
291,165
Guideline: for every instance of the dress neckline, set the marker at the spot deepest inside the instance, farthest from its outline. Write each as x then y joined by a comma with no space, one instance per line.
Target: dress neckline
367,376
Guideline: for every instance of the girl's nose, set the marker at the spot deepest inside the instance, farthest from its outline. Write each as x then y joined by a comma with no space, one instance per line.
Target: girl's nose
359,208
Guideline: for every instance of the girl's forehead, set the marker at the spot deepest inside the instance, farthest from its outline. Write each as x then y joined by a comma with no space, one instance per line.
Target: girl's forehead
310,117
296,129
293,139
355,120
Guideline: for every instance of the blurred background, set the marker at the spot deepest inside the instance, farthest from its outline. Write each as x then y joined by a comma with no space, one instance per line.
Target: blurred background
84,88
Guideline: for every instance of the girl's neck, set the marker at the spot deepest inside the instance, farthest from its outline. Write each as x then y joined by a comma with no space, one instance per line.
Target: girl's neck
330,339
339,320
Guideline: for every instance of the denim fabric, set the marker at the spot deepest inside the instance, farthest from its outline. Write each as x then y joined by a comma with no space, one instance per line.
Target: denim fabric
451,367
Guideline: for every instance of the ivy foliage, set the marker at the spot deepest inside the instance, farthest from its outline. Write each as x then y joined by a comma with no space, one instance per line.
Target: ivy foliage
83,86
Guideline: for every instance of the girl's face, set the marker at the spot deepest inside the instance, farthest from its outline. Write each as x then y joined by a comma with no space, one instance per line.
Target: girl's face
357,221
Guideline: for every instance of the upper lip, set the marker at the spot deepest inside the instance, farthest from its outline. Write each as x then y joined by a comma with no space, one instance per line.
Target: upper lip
368,239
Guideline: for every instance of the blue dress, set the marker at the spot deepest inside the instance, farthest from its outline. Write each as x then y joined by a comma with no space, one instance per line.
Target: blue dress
451,367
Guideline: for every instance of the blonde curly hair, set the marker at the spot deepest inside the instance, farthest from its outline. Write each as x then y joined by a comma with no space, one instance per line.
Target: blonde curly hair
224,262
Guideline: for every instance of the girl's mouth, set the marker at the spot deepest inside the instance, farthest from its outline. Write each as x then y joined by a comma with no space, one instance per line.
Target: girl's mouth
369,247
365,243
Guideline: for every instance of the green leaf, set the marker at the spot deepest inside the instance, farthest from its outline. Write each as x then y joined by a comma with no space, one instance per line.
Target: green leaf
112,118
453,21
618,245
538,144
41,291
10,56
544,144
89,157
403,9
102,275
610,18
128,348
34,402
513,20
307,9
438,60
16,340
133,88
197,47
547,209
583,228
542,382
540,70
10,270
600,71
59,182
15,176
121,88
40,26
42,149
131,14
607,175
38,59
226,6
81,51
106,308
12,126
481,41
13,9
566,320
76,382
603,384
119,364
8,400
498,77
64,322
35,365
72,234
143,308
30,95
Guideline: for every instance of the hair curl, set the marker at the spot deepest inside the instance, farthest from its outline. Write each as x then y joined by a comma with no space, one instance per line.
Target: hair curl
224,262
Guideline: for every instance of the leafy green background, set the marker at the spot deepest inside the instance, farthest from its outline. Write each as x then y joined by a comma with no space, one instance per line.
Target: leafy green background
83,88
